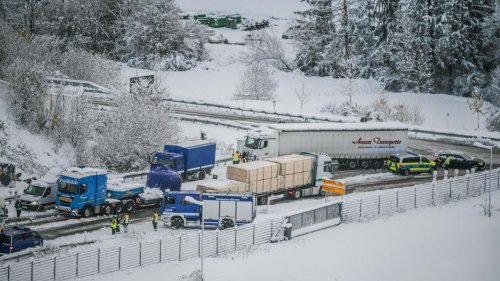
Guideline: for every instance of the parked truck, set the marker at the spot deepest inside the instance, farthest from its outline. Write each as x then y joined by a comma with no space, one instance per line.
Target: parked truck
288,176
353,145
41,193
223,210
192,160
84,192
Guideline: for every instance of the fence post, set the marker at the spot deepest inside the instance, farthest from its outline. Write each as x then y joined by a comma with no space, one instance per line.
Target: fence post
120,258
484,181
379,204
360,208
55,267
31,270
498,179
76,264
397,201
272,225
98,260
8,272
180,247
415,198
140,254
253,235
235,237
433,204
467,190
217,243
199,244
160,251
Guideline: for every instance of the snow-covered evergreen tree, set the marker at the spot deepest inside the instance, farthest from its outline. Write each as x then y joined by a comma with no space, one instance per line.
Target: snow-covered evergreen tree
141,124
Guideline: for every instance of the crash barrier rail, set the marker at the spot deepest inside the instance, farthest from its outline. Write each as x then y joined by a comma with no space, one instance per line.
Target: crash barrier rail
424,195
216,243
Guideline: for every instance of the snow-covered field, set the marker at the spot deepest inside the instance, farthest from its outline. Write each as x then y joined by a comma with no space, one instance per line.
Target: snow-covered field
454,242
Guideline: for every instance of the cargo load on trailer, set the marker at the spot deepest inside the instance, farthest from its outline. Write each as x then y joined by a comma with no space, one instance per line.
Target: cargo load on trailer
291,176
353,145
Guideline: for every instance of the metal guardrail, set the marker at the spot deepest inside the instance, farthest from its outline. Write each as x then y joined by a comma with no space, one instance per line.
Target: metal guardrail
446,134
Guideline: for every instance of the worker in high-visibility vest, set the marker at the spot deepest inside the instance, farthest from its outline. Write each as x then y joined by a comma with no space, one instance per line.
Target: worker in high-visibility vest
447,162
155,220
236,157
114,225
125,222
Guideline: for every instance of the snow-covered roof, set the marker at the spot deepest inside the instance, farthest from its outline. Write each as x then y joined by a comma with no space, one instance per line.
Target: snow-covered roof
338,126
77,172
193,143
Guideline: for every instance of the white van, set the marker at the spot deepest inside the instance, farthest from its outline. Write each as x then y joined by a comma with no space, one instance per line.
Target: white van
41,194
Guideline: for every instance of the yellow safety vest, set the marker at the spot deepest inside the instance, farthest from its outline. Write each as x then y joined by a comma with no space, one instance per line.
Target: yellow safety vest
125,218
155,217
114,224
236,156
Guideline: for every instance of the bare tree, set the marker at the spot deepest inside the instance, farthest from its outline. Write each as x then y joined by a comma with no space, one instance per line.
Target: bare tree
256,83
302,96
349,70
476,104
267,48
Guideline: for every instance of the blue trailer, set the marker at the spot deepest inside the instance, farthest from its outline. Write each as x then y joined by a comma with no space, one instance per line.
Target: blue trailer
84,192
192,160
223,210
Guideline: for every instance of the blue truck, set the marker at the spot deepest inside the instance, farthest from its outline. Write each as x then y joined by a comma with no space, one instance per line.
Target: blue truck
223,210
193,160
84,192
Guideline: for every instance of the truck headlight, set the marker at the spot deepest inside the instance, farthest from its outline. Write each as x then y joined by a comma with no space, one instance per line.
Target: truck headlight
34,202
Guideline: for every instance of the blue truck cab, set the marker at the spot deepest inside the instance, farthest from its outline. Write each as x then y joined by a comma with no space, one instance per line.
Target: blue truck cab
84,192
18,238
191,159
223,210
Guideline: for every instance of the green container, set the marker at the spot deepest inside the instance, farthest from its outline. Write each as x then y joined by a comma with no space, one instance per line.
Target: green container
236,17
217,21
199,16
202,20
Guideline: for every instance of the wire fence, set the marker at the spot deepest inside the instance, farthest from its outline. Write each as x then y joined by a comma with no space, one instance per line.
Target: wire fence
216,243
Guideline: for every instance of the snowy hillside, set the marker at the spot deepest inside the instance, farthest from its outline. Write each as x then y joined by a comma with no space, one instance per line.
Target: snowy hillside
33,154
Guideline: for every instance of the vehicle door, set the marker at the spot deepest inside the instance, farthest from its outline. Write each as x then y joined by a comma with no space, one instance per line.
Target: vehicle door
264,148
23,241
460,162
46,199
189,210
412,163
169,206
5,243
425,163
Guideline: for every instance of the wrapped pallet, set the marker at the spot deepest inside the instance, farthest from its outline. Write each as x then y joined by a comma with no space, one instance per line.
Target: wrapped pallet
252,171
222,186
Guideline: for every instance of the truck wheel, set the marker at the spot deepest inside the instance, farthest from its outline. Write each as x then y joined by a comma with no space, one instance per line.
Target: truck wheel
297,193
40,208
262,200
377,164
201,175
352,164
321,192
226,223
129,207
86,212
118,208
365,164
108,209
406,172
176,223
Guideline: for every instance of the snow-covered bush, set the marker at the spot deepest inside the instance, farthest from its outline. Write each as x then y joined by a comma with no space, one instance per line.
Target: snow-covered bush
156,38
82,65
27,92
493,121
267,48
141,124
256,83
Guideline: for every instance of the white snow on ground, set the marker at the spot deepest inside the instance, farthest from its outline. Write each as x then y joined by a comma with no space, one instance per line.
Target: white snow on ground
454,242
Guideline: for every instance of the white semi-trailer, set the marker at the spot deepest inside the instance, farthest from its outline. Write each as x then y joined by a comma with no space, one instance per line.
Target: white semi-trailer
353,145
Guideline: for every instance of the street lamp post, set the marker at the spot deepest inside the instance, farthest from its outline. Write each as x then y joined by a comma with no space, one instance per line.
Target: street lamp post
489,189
199,203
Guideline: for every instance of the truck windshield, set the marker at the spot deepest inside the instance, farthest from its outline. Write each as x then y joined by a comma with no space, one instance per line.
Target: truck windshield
4,239
252,143
162,161
68,187
34,190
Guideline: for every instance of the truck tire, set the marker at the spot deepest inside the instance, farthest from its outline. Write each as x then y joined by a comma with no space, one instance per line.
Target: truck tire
226,223
262,200
108,209
297,193
377,164
352,164
365,164
129,207
176,223
118,208
321,192
201,175
406,172
86,212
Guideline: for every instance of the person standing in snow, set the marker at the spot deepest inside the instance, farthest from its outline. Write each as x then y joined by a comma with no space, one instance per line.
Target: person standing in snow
18,206
118,221
114,224
236,157
125,222
155,220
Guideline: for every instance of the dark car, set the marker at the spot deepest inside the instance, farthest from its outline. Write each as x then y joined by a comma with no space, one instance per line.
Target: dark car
458,160
18,238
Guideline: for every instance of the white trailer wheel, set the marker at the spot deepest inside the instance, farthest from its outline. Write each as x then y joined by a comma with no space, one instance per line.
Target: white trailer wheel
297,194
108,209
226,223
119,208
365,164
86,212
352,164
129,207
